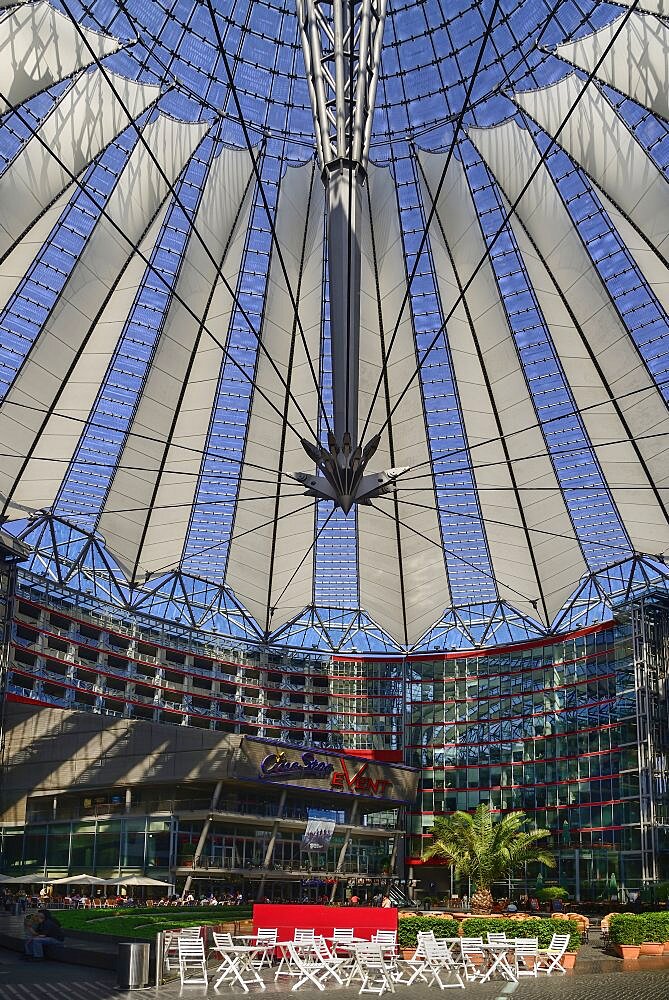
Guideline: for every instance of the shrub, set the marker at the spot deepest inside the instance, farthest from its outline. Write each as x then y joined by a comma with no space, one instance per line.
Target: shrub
655,927
533,927
408,928
626,928
552,892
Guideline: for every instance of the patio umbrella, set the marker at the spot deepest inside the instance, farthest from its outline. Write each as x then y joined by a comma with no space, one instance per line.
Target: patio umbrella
25,879
139,880
539,884
76,880
7,878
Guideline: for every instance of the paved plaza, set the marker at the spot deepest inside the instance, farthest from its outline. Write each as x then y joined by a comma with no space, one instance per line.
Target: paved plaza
596,976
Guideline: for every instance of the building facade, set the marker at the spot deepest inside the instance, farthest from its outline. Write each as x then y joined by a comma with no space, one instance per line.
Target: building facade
572,730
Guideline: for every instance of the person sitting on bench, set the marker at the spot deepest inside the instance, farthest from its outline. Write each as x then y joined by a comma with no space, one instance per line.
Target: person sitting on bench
44,930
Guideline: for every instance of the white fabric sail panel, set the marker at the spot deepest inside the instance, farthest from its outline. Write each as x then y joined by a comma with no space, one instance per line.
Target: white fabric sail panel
148,507
18,260
85,119
270,559
61,432
636,63
40,382
403,582
535,555
40,46
588,333
598,139
654,270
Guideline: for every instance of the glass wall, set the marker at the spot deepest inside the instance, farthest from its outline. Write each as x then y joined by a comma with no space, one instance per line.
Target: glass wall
100,847
548,729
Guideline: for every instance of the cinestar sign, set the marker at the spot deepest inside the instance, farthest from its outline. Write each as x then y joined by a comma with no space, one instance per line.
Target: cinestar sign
359,782
277,765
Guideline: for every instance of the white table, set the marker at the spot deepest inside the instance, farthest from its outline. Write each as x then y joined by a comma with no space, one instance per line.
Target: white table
238,961
496,955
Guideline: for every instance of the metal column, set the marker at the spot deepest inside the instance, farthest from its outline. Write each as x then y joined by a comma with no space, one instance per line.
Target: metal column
344,848
204,833
341,43
269,853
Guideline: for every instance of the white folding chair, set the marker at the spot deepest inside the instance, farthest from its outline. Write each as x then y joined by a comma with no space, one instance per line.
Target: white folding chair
222,941
303,935
308,965
439,960
328,959
234,963
415,967
265,936
192,962
172,944
473,957
550,958
303,938
343,936
385,937
388,942
371,968
497,938
526,957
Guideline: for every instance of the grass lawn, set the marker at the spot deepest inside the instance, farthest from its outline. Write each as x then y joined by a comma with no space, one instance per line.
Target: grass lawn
145,923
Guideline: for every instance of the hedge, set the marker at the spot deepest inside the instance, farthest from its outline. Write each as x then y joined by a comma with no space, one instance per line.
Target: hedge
533,927
625,928
144,922
408,927
636,928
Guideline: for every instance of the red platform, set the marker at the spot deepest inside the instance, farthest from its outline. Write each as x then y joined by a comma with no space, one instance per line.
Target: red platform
364,920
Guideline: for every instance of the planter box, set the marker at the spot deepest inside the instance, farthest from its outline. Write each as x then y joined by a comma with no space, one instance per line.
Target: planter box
408,953
628,951
665,947
568,960
651,948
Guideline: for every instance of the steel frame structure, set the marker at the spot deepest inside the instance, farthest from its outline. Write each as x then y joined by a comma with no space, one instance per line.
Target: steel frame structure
63,557
341,43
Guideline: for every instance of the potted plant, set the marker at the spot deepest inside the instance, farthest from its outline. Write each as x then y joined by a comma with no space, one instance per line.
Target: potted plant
486,849
625,933
652,934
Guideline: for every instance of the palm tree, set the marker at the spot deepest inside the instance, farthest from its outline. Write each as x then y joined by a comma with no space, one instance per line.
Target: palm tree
486,850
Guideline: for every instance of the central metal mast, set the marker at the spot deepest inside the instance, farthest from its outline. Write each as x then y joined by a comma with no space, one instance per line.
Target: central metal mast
341,40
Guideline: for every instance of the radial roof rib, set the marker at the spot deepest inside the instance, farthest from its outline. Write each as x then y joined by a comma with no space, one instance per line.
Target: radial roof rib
270,565
38,47
611,386
520,500
155,482
636,63
85,119
403,582
598,139
34,422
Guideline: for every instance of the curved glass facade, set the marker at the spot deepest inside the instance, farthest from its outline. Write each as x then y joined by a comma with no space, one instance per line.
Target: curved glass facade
573,731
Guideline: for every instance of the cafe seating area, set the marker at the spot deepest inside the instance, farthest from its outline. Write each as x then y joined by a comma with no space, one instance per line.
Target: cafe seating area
310,960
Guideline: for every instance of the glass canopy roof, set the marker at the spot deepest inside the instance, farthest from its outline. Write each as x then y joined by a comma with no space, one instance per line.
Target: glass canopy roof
537,477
